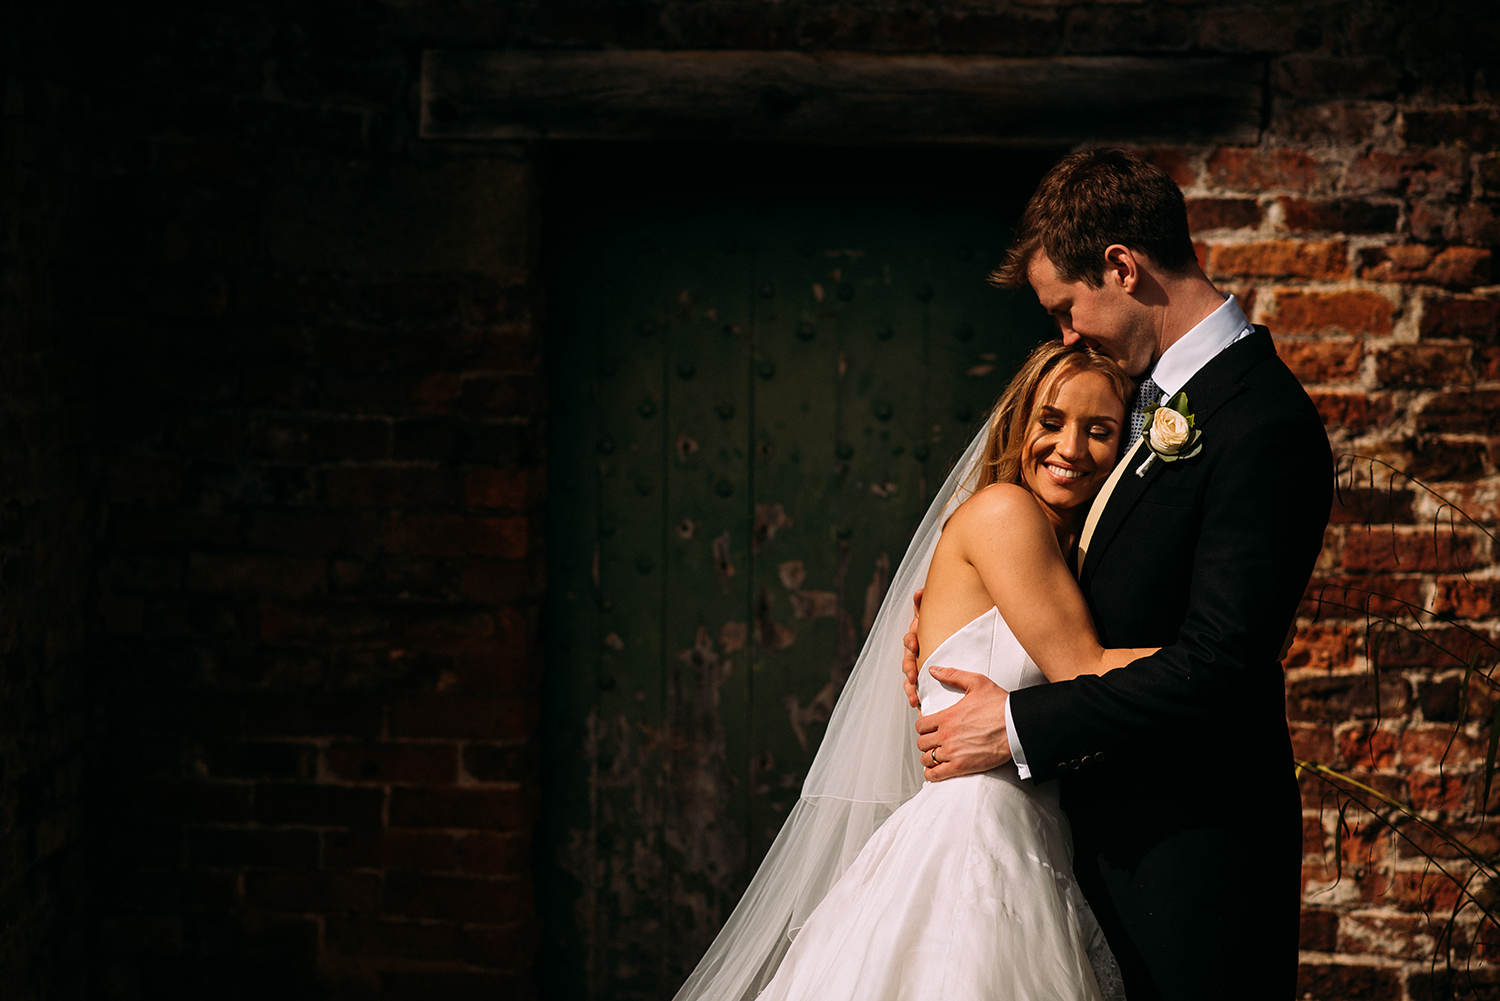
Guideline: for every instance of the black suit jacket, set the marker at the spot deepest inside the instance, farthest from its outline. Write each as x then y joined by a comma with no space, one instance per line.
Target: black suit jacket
1184,756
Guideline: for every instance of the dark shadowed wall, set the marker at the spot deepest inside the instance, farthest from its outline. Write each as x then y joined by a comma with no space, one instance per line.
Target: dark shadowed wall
271,519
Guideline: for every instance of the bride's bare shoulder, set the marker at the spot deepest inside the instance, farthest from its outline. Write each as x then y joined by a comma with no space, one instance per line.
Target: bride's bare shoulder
999,508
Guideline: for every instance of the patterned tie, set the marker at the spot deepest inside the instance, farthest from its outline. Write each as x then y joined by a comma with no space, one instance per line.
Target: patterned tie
1146,394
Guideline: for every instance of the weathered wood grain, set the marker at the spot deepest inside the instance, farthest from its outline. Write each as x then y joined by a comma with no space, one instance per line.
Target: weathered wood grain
838,97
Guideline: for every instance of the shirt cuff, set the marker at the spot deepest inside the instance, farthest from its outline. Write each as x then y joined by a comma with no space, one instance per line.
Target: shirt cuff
1017,754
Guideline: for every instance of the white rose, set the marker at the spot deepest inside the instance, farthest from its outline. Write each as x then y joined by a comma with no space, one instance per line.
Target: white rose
1169,431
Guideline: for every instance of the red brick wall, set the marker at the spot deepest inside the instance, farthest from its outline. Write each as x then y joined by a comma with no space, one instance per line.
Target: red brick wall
317,346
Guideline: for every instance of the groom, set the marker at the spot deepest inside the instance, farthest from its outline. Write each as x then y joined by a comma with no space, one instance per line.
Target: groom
1177,769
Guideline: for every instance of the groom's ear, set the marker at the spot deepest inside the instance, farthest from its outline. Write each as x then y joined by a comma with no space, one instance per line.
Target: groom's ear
1122,267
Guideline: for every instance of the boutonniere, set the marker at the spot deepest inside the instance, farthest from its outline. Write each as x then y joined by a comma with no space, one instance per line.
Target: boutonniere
1170,433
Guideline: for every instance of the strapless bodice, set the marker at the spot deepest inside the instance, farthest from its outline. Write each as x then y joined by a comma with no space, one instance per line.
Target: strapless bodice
985,646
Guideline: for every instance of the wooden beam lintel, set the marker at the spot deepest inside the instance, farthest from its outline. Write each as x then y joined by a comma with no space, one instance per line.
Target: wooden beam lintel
839,98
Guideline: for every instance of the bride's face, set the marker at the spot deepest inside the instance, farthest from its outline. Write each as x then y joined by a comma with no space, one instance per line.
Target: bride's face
1072,440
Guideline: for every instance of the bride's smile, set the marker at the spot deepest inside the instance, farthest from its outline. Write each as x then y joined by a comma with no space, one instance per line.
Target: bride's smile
1073,442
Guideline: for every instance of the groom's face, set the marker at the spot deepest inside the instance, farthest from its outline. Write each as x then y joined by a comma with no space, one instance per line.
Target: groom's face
1107,319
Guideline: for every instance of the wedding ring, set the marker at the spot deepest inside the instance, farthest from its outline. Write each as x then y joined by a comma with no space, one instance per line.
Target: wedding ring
934,757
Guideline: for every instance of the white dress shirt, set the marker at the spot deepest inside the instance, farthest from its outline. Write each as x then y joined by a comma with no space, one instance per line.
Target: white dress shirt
1174,368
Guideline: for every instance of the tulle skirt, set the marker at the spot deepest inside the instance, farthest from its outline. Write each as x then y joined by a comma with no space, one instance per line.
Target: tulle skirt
965,894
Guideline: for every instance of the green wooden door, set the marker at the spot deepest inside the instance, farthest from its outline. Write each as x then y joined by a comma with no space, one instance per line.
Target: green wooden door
754,394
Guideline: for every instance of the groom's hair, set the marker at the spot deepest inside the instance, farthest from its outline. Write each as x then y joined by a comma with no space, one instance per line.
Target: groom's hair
1093,199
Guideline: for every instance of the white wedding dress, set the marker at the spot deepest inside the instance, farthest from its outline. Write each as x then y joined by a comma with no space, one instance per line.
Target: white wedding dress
966,892
883,887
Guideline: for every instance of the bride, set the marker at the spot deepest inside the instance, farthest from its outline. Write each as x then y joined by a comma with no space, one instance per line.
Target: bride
881,887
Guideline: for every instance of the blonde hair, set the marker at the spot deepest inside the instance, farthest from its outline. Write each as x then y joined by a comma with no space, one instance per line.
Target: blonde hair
1009,421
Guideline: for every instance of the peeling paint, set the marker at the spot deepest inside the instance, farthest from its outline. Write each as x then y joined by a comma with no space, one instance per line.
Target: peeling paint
792,574
770,634
821,707
887,489
814,604
978,371
614,642
686,528
686,446
732,636
769,519
722,566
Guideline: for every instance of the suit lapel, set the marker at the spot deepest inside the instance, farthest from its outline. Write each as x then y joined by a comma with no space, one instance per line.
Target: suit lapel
1212,386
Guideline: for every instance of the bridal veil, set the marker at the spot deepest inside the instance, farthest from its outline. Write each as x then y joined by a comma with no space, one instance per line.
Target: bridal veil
866,767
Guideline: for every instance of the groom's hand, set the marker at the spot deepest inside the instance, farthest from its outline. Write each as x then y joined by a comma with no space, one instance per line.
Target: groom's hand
969,737
912,657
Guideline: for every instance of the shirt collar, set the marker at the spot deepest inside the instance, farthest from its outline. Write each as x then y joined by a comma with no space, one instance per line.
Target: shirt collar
1198,346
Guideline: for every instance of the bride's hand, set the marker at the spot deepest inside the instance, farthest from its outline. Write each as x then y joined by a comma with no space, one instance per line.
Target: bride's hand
911,658
969,736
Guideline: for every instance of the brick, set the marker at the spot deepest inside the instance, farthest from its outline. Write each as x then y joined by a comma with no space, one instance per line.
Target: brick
1454,839
164,527
252,760
435,764
1180,163
426,851
1426,364
322,440
275,576
1327,647
1369,746
1336,124
1116,29
464,440
465,717
1312,742
1259,30
1474,223
1354,413
1437,172
131,934
192,802
486,809
500,763
1339,215
1457,267
486,900
1322,361
323,621
1018,33
1311,77
242,849
391,486
1256,170
456,985
1471,598
497,582
516,489
1382,505
1281,259
496,854
1413,549
279,938
395,939
1223,213
457,535
1442,791
506,947
319,805
319,892
322,532
1431,220
186,890
155,479
213,434
198,158
312,715
1346,696
1470,412
1476,127
1430,746
1432,459
1318,930
1456,317
1352,312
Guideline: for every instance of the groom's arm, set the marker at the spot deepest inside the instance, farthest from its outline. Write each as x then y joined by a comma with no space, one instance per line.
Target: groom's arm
1263,512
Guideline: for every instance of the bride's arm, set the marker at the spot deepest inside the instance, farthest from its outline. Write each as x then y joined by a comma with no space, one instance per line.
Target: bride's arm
1004,535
